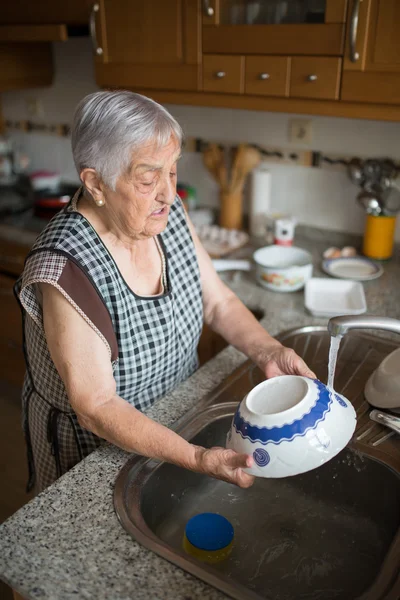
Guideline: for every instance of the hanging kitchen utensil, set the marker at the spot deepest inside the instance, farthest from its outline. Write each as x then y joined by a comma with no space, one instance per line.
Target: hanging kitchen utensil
214,161
245,160
391,201
389,169
355,171
372,172
370,202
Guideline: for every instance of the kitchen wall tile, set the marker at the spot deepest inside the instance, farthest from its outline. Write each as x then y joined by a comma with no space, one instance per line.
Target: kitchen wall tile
314,196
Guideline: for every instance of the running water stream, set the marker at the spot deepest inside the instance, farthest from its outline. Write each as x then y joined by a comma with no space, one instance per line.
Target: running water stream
333,352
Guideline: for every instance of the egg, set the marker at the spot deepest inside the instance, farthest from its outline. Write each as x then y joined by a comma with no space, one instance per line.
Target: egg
332,252
348,251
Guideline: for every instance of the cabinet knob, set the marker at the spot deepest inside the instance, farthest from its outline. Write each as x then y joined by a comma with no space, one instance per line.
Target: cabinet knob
312,77
208,10
263,76
220,74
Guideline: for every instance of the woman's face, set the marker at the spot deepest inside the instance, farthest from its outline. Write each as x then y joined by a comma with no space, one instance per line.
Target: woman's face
141,202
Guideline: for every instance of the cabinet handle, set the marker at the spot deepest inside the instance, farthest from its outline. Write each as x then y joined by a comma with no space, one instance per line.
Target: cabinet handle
312,77
220,74
92,26
354,55
208,10
263,76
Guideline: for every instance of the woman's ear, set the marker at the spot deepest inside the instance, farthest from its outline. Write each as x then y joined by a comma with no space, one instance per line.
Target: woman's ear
93,185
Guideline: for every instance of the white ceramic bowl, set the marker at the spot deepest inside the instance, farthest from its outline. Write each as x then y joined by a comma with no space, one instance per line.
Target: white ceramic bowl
282,268
383,386
290,425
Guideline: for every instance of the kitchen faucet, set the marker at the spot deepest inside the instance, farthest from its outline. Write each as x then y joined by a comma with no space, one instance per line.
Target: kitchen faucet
339,326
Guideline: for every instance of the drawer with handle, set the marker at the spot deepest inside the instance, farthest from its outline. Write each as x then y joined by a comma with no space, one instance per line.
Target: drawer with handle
315,77
267,75
223,73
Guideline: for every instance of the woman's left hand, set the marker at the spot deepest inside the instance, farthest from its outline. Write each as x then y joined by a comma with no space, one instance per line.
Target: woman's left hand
285,361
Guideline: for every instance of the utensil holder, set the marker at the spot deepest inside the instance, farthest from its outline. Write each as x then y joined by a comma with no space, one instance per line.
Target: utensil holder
379,236
231,210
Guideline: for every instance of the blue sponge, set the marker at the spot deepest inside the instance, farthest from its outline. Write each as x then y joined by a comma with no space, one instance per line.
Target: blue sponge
209,531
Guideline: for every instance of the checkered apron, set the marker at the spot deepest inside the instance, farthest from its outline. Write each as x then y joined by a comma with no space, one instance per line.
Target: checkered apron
156,337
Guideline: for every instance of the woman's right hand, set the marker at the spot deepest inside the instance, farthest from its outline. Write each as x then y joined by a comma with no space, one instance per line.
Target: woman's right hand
225,464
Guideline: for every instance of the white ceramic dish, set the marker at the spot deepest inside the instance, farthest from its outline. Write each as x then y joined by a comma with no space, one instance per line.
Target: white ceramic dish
356,268
225,264
290,425
383,386
45,180
325,297
282,268
219,241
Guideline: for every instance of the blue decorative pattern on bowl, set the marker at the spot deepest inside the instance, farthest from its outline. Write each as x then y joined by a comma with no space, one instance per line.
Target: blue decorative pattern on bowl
289,431
261,457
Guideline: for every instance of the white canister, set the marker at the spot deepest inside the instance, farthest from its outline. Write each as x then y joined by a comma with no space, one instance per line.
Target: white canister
260,200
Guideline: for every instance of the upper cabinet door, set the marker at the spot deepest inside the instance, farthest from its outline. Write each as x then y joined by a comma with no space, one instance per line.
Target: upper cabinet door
372,56
306,27
383,50
158,39
144,32
45,12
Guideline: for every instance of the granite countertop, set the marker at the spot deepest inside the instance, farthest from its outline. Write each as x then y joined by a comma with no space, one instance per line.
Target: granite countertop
67,542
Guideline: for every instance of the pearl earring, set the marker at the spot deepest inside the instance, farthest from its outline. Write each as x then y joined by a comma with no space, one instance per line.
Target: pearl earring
100,202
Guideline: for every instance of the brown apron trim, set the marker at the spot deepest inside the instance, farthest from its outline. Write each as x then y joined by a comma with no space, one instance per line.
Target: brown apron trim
79,288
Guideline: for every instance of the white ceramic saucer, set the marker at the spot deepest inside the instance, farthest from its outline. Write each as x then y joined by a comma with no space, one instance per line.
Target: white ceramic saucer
357,268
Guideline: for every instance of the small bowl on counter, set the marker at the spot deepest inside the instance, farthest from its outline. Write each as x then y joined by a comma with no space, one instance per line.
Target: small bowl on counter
282,268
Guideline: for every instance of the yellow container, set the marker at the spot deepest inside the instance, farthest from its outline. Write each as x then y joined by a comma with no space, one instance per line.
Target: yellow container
379,236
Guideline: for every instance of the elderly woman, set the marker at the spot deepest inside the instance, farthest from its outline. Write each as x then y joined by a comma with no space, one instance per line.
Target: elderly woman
114,294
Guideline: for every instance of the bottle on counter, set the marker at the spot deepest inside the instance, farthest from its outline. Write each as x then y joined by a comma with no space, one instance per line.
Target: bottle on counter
379,236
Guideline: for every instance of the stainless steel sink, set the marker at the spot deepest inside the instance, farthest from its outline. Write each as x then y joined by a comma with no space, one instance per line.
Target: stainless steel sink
332,533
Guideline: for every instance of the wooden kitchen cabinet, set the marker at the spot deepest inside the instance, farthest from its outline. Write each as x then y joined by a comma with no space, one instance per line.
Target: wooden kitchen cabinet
373,75
45,12
223,73
12,257
225,53
44,21
267,75
210,344
25,65
315,77
154,44
12,366
232,27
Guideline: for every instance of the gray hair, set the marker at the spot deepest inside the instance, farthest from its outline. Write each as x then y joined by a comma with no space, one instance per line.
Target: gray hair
109,126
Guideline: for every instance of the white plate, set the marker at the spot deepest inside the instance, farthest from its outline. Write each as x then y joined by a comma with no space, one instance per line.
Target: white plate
356,268
334,297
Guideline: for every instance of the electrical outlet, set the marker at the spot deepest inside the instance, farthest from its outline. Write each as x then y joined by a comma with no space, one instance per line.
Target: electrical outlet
300,131
34,107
